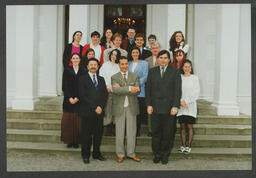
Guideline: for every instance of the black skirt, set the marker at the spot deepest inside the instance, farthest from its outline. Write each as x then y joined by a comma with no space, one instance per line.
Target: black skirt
187,119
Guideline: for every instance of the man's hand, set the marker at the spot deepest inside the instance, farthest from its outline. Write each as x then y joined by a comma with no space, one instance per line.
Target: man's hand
76,100
134,89
98,110
150,110
109,89
116,85
173,111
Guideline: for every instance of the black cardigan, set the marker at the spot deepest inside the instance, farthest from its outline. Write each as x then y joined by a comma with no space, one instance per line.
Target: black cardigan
67,54
70,87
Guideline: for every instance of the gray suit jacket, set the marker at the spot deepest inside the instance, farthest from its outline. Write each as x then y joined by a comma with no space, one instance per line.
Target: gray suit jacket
150,62
120,93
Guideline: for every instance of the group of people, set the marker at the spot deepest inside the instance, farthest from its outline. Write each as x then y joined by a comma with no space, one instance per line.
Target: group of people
119,83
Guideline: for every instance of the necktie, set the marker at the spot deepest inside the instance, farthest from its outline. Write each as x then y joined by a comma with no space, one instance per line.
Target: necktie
95,82
125,77
162,72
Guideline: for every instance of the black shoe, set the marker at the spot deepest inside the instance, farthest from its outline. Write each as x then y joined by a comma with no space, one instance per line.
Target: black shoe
156,160
86,160
75,146
69,145
164,160
101,158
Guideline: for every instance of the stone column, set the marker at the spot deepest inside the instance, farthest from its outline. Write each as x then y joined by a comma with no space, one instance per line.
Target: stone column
79,21
164,20
26,57
226,71
48,50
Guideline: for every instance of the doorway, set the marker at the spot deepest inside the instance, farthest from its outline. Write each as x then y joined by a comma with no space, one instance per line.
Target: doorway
120,17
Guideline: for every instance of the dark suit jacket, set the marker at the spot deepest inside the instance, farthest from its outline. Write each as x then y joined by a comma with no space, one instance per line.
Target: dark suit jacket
70,87
126,45
67,54
163,93
90,98
145,54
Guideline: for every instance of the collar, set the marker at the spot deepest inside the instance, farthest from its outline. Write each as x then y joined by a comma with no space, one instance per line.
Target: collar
164,68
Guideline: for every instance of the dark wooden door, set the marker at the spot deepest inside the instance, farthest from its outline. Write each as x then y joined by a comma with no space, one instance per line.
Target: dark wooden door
120,17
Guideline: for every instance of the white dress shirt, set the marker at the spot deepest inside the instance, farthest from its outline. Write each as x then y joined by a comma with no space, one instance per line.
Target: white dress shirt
126,102
91,75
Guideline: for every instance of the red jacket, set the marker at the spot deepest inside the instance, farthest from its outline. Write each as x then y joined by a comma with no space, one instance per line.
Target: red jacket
87,46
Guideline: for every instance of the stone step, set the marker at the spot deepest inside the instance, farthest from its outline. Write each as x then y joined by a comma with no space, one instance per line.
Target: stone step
144,152
200,129
201,119
224,141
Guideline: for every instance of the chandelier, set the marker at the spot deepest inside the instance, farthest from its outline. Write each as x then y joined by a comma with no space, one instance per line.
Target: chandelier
124,20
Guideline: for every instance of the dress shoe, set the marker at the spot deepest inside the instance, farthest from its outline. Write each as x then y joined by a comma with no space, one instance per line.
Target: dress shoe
164,160
100,157
75,146
156,160
86,160
69,145
135,158
120,159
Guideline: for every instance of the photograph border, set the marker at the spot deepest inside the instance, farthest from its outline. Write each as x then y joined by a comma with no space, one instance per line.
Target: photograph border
113,174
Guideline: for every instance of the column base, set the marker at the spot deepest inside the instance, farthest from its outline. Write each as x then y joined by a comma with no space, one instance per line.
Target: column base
226,109
24,103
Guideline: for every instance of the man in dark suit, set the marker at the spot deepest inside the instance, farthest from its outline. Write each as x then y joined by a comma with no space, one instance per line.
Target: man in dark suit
128,42
163,99
93,97
139,42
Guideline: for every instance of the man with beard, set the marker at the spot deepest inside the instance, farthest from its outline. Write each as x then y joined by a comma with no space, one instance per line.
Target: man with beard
93,97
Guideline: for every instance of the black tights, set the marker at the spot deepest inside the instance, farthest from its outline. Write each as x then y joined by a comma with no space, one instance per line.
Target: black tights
183,133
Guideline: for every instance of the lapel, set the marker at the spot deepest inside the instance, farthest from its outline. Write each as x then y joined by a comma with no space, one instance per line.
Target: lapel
90,80
167,71
121,78
137,68
151,61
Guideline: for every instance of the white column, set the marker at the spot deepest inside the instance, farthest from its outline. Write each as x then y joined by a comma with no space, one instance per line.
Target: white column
164,20
47,50
204,43
26,57
10,54
79,21
176,20
227,47
96,19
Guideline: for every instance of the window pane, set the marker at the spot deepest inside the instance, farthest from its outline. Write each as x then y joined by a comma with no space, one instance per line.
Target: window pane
136,11
115,11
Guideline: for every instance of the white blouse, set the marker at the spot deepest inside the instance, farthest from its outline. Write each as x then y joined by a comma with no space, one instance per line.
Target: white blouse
107,70
190,93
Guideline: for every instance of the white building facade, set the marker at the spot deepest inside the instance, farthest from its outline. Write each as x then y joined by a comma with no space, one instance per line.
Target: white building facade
219,37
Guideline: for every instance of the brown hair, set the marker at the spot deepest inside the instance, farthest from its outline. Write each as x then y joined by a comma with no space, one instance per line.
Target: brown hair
172,42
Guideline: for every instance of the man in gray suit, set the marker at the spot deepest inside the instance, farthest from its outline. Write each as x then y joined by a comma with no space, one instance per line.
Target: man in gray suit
155,48
163,100
152,62
125,108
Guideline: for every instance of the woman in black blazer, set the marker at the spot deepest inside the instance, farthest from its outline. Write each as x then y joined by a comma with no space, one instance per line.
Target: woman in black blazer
71,48
71,122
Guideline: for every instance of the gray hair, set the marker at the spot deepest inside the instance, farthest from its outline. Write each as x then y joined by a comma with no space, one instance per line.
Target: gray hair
156,43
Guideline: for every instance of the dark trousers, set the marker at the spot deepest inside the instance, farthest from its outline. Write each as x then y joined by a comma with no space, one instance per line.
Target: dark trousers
92,130
142,116
162,134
